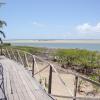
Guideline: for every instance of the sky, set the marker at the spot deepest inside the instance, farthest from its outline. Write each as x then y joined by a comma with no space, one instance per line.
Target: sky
51,19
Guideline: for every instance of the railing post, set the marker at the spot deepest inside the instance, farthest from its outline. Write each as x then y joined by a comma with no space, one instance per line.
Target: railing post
50,80
25,60
20,57
17,56
6,52
9,56
3,53
99,78
13,54
75,89
1,49
33,67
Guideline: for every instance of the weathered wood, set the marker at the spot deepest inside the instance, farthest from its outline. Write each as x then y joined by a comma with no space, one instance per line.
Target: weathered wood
99,79
77,98
50,80
2,90
16,54
26,60
19,84
1,49
20,57
42,69
75,89
13,55
4,53
80,76
25,65
9,56
33,65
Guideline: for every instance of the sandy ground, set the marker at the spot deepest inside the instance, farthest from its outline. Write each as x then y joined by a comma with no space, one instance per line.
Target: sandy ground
58,89
52,41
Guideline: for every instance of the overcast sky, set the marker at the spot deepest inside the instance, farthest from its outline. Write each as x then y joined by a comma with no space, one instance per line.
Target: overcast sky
51,19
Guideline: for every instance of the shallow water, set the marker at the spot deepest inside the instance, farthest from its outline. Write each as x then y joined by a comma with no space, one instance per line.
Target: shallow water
87,46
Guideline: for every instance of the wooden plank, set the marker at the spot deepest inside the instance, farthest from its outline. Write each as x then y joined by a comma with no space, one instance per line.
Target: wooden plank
27,88
10,89
26,81
10,95
19,84
5,82
38,92
32,85
12,85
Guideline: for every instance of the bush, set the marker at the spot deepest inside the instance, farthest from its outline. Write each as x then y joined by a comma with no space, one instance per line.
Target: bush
84,60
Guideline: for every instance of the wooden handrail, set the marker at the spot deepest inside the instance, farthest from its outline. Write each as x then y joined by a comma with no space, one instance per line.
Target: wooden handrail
9,56
20,57
42,69
80,76
13,54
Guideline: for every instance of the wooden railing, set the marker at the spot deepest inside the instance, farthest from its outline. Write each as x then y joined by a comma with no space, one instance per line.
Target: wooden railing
31,63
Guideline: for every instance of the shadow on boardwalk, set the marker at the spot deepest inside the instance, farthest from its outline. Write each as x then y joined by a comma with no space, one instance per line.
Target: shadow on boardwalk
2,88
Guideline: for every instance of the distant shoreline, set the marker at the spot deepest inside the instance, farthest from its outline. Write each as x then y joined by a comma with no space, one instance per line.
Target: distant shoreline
52,41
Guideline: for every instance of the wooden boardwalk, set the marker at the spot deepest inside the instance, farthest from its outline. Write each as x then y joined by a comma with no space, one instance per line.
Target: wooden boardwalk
21,70
19,85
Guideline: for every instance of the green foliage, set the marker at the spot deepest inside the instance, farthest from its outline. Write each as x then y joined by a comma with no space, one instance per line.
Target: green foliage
32,50
84,60
93,77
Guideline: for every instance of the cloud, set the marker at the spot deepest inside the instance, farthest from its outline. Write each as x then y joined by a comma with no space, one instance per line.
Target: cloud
37,24
87,28
82,31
